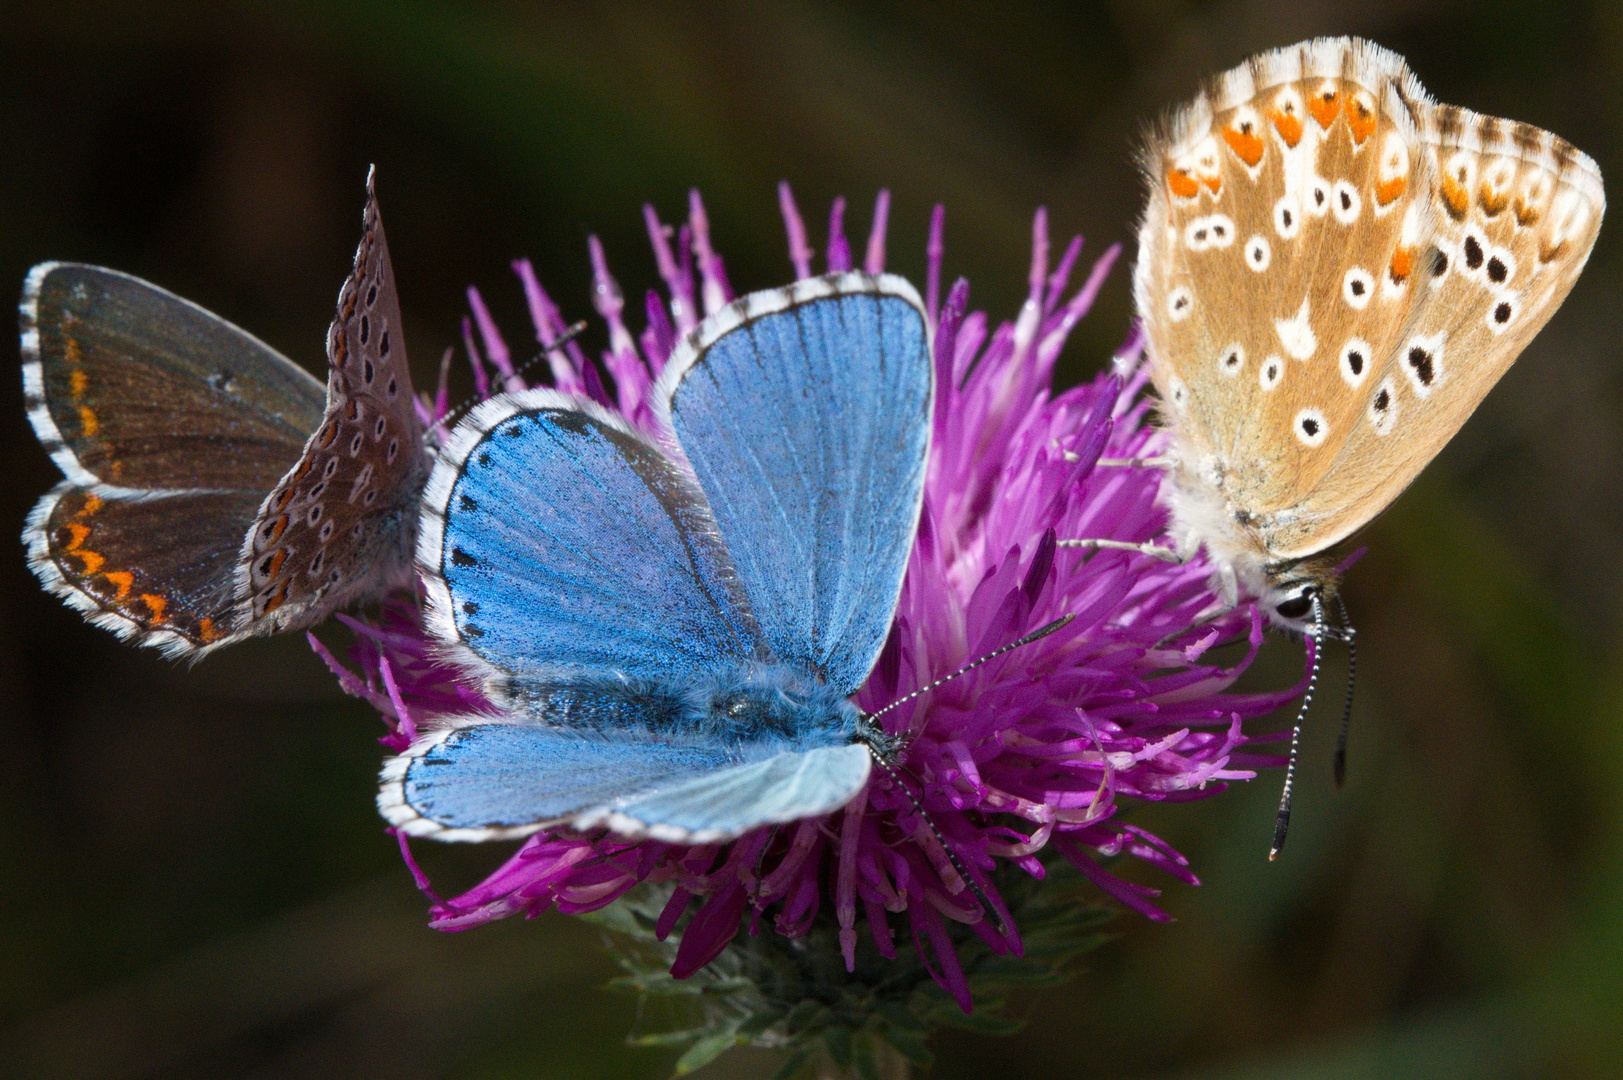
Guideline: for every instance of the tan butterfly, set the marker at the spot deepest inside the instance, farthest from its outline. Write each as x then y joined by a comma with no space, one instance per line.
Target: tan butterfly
1333,271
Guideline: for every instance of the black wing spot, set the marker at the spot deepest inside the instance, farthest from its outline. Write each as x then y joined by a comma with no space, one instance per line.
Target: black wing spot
383,345
1497,270
1310,426
462,558
1420,361
1473,252
371,295
470,607
1355,362
484,459
1501,314
1439,264
468,504
366,329
1383,401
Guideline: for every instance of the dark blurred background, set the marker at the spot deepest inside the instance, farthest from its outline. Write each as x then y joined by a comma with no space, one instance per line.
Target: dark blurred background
193,881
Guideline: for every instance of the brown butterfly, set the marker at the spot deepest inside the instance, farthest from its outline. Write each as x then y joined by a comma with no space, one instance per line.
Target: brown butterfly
214,490
1333,272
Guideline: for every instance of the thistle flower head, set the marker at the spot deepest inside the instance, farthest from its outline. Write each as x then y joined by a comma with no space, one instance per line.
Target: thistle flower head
1031,755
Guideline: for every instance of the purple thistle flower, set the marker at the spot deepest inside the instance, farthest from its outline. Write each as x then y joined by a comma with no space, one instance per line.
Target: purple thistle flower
1035,749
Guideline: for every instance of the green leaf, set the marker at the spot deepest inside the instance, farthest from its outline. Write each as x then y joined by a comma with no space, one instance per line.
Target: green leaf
705,1051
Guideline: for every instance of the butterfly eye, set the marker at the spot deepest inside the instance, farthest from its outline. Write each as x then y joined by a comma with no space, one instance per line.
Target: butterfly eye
1297,607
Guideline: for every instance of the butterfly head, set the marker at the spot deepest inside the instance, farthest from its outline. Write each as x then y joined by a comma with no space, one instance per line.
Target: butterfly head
1291,590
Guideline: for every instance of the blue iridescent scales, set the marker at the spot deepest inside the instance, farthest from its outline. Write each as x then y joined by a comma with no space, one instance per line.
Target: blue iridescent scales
672,626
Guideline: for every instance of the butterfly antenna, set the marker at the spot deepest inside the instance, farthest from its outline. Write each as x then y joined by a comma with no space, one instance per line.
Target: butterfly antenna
569,334
882,759
973,664
1350,636
1283,820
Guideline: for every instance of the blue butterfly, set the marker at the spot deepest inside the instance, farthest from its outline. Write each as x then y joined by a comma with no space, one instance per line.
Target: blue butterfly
672,629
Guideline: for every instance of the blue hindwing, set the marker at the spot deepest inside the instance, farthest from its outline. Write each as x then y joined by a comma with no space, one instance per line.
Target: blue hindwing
805,413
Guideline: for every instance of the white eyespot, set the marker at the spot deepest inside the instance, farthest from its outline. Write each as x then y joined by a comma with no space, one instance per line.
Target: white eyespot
1180,302
1296,333
1317,202
1357,287
1272,370
1231,360
1422,361
1345,202
1356,360
1383,407
1258,254
1287,218
1310,427
1197,235
1222,227
1179,394
1503,311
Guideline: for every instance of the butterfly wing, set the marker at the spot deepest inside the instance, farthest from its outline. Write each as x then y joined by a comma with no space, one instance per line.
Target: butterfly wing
1516,211
1288,265
500,781
556,540
340,524
170,424
804,413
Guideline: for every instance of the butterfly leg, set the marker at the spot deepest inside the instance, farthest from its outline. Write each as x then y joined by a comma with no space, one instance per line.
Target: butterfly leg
1129,462
1154,550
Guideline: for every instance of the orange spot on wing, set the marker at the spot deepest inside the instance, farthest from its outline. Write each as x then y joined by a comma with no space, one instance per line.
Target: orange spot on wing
277,598
1388,190
115,469
1455,198
92,562
1181,184
1493,200
123,580
77,381
80,534
287,496
88,424
1289,127
1247,146
279,528
1324,108
92,504
328,434
1214,182
70,349
1361,119
1526,213
205,629
276,562
1402,264
156,604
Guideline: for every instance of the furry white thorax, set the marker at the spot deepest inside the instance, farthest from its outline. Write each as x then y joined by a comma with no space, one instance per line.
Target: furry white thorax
1202,517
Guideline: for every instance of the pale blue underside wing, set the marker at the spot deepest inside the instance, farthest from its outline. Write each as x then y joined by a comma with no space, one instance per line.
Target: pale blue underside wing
807,423
566,544
506,780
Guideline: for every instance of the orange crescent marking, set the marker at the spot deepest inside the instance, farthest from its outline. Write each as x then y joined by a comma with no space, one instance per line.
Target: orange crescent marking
70,350
1246,146
1213,182
1288,126
276,562
156,604
276,601
1389,190
205,629
80,534
92,504
88,423
1455,197
1324,108
1402,264
1181,184
123,579
1360,120
279,528
1493,202
93,562
77,381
